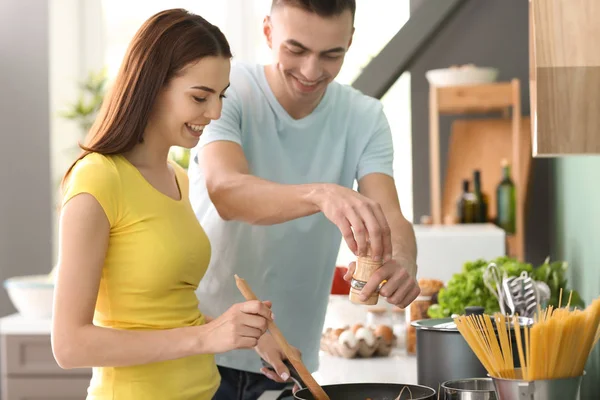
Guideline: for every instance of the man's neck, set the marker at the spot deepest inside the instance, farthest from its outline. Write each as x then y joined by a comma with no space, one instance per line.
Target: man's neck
296,109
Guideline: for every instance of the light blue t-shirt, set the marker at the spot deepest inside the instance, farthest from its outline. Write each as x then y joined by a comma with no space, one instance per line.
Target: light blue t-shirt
345,138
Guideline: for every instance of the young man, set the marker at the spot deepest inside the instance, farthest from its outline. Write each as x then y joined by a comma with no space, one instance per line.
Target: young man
272,186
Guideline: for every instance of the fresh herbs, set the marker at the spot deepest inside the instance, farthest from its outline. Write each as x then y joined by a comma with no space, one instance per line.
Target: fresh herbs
467,288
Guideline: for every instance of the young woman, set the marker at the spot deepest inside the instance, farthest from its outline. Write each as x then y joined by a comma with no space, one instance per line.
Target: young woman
132,252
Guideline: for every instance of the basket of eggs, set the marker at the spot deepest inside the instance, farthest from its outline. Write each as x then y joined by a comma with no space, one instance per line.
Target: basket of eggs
359,341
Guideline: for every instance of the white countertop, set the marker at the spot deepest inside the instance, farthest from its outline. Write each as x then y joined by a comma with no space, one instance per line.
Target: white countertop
398,367
15,324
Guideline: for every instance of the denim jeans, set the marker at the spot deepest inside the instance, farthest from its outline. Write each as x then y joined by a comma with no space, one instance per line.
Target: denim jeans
243,385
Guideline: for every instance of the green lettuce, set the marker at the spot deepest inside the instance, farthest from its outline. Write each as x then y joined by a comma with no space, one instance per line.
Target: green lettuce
467,288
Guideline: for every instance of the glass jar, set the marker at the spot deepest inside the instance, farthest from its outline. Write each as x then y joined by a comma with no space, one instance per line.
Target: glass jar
417,310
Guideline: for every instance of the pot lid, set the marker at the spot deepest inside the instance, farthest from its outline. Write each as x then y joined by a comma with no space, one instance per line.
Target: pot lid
448,324
436,324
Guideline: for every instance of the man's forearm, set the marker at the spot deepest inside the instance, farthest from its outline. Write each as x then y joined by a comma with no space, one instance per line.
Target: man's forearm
258,201
404,246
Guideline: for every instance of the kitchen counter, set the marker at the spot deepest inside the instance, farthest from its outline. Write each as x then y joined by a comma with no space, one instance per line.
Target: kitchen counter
397,368
15,324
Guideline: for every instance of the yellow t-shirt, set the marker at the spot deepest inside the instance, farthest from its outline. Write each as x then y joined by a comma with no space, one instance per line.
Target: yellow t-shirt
157,254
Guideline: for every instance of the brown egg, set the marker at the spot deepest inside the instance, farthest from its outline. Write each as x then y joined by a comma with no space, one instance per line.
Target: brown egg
338,332
356,327
384,332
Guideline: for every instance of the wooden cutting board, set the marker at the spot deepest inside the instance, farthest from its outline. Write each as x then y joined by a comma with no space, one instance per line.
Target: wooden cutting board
482,144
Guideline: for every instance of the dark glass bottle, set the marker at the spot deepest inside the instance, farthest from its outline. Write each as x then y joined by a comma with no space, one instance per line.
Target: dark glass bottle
505,201
465,207
480,199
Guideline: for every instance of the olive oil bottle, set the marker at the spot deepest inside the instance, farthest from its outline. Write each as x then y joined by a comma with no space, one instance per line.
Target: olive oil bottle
480,199
505,201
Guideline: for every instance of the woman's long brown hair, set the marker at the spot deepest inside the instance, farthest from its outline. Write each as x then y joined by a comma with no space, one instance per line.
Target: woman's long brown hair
162,47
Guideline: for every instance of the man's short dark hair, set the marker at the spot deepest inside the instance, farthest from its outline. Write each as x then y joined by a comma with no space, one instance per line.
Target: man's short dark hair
323,8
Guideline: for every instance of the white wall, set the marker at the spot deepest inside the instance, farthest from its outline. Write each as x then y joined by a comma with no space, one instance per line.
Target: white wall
25,225
76,38
25,222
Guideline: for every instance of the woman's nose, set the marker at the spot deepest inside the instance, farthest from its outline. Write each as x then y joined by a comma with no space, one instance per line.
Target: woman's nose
213,111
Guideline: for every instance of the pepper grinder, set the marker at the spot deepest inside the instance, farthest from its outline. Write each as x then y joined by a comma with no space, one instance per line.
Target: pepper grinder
365,268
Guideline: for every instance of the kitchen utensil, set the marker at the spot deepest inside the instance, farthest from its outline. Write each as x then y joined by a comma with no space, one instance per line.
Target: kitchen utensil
444,355
553,389
544,293
521,294
492,278
468,389
311,383
362,391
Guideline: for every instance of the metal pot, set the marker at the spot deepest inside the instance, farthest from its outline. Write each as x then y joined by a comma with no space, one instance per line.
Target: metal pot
444,355
468,389
551,389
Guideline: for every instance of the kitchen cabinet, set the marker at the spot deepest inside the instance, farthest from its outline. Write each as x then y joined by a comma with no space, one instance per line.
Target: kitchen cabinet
564,75
29,371
49,388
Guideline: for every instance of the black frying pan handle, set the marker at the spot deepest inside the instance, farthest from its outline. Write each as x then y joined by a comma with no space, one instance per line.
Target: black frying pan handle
293,373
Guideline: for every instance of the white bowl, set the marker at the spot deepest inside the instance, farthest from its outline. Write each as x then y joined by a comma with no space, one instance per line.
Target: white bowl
462,75
31,295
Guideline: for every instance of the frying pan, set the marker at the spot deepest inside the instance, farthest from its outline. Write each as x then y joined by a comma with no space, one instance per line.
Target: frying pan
361,391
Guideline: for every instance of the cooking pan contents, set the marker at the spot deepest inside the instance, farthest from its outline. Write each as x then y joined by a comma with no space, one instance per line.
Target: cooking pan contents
402,391
399,397
556,346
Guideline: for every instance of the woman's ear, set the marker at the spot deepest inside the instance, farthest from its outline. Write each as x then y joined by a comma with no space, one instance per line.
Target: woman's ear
267,30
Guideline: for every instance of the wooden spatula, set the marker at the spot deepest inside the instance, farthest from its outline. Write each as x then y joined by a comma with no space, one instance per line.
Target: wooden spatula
312,385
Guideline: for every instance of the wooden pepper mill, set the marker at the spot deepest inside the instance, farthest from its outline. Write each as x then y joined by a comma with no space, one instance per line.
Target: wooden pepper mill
365,268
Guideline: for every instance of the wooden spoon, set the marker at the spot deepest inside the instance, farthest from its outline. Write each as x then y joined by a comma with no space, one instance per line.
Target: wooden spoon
312,385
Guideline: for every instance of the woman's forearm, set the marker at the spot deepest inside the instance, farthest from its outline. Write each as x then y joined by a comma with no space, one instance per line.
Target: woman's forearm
93,346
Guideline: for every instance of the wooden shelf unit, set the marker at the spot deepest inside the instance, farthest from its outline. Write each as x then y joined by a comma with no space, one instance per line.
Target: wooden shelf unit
478,99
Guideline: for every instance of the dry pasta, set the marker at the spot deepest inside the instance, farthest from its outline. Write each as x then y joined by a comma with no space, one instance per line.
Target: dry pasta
556,346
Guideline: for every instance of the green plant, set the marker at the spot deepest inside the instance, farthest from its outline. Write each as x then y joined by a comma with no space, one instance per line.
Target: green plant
468,289
92,92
